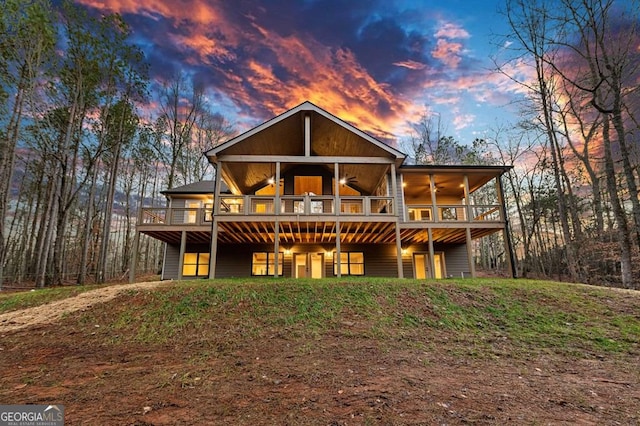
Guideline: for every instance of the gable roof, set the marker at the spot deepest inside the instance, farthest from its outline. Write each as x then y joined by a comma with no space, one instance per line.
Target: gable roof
284,135
201,187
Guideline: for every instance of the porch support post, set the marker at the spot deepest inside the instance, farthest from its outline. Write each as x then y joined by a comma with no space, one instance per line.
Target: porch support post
394,192
277,208
276,246
434,207
432,263
183,248
216,191
467,202
336,190
472,266
213,249
399,251
213,243
133,263
338,250
276,225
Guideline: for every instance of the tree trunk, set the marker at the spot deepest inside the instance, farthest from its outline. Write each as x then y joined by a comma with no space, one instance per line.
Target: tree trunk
618,212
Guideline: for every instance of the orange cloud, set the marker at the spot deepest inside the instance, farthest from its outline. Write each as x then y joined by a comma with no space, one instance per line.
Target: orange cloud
331,78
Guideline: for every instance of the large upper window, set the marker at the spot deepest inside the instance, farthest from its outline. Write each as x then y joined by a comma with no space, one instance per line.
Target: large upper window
311,185
195,265
263,263
351,263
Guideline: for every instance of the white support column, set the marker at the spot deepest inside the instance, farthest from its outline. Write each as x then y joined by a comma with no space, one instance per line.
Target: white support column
183,249
336,190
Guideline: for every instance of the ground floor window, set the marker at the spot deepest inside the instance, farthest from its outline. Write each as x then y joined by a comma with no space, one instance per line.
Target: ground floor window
263,263
195,265
351,263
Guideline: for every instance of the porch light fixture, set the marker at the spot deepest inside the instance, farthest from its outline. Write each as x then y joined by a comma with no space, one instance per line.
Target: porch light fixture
405,252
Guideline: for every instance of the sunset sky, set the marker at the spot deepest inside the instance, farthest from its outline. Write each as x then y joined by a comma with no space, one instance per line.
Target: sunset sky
377,64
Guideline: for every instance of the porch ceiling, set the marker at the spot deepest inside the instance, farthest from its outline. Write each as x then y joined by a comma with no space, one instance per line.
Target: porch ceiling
417,184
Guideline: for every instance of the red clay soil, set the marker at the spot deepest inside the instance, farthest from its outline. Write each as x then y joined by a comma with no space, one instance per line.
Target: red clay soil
339,377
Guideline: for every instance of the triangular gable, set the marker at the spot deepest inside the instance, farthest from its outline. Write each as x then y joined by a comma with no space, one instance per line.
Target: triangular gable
288,130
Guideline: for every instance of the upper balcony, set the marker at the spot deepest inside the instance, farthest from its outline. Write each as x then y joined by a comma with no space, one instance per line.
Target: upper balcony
319,207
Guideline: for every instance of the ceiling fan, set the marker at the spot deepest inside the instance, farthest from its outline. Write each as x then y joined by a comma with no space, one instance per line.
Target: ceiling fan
348,180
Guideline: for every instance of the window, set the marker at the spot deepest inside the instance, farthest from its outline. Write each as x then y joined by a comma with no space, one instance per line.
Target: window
420,214
191,211
208,212
263,263
351,263
195,265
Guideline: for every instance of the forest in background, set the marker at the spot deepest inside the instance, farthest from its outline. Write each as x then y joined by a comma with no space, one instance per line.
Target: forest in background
86,139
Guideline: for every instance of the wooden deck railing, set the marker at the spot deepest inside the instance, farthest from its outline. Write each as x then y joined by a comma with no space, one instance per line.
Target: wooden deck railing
453,213
316,205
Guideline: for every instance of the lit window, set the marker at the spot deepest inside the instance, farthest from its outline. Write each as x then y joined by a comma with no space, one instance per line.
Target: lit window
351,263
263,263
195,265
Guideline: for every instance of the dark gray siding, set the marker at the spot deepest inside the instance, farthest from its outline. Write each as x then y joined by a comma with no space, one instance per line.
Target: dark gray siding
234,260
171,262
455,259
177,203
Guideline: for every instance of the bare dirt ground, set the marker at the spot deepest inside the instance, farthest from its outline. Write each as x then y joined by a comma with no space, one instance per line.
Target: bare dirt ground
53,311
57,354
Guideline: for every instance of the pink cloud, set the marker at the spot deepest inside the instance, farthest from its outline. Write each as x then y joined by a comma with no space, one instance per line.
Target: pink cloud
412,65
450,30
461,121
448,52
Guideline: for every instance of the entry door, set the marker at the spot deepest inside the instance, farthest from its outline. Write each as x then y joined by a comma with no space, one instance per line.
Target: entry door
421,265
308,265
438,260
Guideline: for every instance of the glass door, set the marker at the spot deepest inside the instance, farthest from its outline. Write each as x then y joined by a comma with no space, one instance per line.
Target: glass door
308,265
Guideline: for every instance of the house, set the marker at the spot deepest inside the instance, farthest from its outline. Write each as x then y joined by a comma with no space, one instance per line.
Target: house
308,195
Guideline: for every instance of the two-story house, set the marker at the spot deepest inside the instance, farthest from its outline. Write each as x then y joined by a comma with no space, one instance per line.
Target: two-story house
306,194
